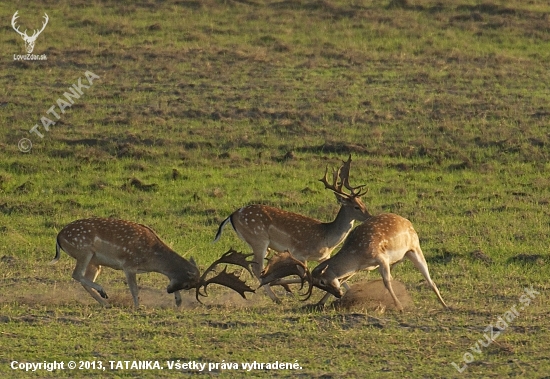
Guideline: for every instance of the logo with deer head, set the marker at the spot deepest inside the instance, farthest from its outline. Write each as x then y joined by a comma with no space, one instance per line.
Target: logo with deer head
29,40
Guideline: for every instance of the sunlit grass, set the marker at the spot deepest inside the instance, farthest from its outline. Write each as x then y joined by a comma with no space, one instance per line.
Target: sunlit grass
203,107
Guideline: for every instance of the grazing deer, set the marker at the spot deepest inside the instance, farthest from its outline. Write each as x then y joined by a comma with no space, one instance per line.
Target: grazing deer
379,242
29,40
263,227
135,248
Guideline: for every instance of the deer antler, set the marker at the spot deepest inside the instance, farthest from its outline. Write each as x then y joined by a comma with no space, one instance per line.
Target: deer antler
282,265
15,17
36,33
340,178
224,278
344,177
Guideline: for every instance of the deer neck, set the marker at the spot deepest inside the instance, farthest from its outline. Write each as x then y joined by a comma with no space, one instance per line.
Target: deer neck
171,264
337,230
340,266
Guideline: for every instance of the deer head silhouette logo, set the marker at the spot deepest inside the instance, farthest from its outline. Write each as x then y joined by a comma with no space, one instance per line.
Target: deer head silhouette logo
29,40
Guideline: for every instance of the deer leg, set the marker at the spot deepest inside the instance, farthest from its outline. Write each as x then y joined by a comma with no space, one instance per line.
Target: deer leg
132,283
283,283
92,271
321,303
80,275
177,296
344,281
417,258
259,254
271,294
386,277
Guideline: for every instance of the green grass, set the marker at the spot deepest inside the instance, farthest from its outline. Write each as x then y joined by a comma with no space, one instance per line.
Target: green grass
218,104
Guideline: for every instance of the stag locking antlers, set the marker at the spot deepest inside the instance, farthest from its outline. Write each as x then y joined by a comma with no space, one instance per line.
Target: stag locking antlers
135,248
282,265
264,227
380,242
29,40
224,278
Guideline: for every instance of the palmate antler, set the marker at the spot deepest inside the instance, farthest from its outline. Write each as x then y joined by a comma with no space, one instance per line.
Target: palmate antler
340,179
282,265
224,278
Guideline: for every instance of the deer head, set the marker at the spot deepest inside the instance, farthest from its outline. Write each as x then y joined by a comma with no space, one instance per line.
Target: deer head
284,264
350,201
324,279
29,40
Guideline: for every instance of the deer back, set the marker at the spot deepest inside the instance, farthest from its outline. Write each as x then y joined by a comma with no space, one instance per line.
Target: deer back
121,245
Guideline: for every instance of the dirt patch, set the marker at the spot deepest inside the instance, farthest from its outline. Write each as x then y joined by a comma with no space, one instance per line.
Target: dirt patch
373,295
42,293
68,293
230,299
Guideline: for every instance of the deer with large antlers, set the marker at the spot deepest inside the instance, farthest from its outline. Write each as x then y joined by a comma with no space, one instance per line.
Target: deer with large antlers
29,40
263,227
379,242
135,248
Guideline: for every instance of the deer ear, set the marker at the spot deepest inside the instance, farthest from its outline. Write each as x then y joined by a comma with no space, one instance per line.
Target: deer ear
193,262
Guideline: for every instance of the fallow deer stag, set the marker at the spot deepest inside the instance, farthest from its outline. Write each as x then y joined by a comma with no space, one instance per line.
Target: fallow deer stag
135,248
263,227
379,242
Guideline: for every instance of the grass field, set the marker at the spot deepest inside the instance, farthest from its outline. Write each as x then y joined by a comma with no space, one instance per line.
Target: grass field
197,108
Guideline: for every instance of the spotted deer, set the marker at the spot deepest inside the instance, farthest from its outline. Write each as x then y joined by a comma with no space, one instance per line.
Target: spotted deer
135,248
379,242
264,227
